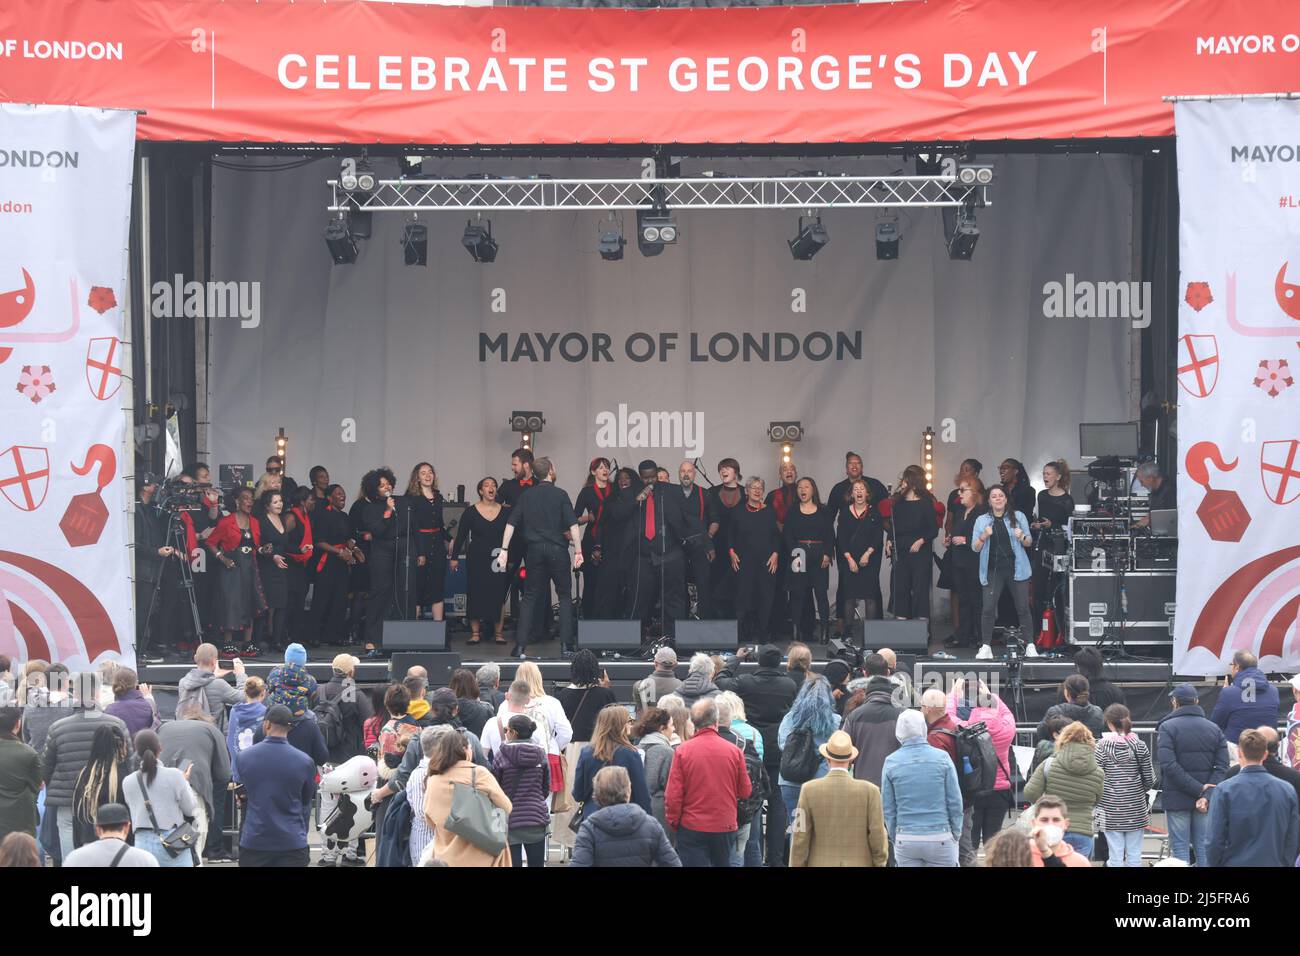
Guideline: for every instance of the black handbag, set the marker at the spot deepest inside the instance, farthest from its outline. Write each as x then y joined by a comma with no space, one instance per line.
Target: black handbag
180,839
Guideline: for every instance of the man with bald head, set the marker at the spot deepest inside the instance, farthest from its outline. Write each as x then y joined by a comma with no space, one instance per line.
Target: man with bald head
941,732
1272,764
699,552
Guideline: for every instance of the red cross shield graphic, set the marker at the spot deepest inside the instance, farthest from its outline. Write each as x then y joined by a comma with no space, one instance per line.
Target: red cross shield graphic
1198,364
1279,469
103,367
25,476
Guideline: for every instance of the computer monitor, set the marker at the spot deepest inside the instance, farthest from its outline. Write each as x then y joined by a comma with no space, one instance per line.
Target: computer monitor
1105,439
1164,522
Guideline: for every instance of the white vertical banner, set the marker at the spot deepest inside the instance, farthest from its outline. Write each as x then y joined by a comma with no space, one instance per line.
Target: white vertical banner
65,203
1238,397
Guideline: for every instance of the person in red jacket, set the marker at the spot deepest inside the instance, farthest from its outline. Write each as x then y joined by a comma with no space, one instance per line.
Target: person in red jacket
705,781
234,543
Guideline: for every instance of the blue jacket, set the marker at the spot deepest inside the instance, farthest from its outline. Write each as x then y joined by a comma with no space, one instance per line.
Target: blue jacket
1254,821
584,777
1251,701
1191,752
246,716
622,835
281,783
920,792
1022,569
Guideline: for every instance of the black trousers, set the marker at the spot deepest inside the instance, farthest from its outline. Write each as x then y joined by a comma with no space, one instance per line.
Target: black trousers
383,560
612,602
1002,580
251,857
700,571
329,607
547,564
912,576
970,602
801,602
777,820
667,579
590,585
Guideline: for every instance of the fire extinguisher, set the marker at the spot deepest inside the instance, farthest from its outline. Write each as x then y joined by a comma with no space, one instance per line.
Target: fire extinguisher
1049,638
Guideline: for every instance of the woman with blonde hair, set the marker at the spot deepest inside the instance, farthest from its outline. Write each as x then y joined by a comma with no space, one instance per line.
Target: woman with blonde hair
99,782
1073,774
681,728
1010,848
426,544
451,763
610,747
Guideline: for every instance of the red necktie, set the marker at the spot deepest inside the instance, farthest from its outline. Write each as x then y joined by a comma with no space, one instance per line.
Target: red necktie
650,517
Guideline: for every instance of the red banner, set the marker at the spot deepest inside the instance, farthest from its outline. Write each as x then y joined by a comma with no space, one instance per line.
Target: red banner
361,72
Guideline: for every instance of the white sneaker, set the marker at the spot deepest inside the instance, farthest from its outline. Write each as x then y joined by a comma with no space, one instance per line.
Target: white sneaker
1031,651
985,653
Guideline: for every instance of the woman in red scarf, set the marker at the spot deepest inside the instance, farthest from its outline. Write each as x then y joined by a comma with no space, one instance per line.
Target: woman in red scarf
234,543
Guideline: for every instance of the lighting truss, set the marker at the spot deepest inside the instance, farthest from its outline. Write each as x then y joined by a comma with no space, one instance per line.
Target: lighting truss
760,192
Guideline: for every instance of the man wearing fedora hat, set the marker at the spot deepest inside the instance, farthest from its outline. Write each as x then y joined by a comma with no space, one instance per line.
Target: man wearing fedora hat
839,820
112,827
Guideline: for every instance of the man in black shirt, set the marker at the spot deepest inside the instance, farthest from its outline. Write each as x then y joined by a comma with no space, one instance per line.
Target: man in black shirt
546,513
663,524
508,492
699,553
1161,491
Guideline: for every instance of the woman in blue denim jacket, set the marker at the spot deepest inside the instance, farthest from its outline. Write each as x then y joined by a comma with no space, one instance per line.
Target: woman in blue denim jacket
1001,536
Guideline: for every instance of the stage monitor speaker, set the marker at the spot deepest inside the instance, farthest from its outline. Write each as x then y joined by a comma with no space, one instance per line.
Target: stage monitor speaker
609,635
901,636
695,636
439,665
415,636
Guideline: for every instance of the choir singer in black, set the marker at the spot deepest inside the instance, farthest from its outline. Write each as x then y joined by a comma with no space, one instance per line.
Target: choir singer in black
546,513
663,524
754,554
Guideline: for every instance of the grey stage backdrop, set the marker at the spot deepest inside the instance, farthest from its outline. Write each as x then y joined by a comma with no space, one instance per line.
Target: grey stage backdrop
377,362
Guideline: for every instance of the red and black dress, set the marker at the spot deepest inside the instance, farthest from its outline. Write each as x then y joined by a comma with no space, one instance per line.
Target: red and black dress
430,542
331,529
591,501
239,598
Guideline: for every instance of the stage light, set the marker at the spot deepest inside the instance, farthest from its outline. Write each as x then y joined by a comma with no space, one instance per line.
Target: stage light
412,167
281,447
810,240
610,241
784,433
962,234
415,243
478,240
526,422
973,174
655,228
342,244
357,175
927,452
887,238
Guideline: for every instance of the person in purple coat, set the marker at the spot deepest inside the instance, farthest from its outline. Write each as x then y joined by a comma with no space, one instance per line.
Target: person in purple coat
522,769
132,703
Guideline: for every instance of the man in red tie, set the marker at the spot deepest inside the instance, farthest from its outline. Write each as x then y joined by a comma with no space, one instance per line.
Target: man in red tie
661,563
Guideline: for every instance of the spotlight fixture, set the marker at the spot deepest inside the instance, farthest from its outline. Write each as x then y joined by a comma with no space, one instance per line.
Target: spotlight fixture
412,167
526,422
478,240
785,434
887,238
282,446
415,243
342,244
810,240
655,228
963,233
974,174
927,456
357,175
610,241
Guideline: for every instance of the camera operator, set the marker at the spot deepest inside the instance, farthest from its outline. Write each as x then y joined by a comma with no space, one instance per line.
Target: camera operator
157,568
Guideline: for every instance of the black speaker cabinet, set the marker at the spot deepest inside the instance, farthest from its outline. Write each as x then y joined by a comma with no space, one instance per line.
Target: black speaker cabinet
415,636
439,665
695,636
901,636
609,635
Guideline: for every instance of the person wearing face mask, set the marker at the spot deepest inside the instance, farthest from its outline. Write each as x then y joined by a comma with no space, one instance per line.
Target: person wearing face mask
808,541
724,501
1000,537
590,509
700,552
966,562
754,553
1047,836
